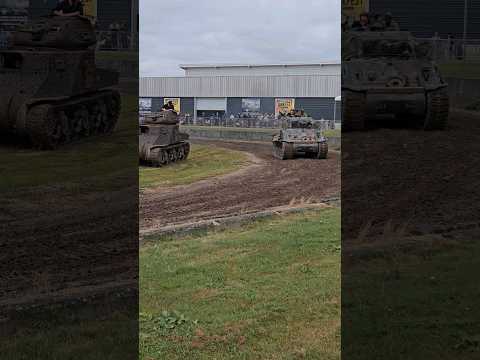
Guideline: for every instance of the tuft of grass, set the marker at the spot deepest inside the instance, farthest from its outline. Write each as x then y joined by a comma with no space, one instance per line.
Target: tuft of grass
270,290
203,162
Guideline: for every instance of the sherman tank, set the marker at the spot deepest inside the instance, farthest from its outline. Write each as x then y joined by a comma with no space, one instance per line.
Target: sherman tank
389,75
298,137
52,91
160,140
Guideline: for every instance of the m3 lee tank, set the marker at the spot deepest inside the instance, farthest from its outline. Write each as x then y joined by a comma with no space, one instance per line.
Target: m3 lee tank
52,93
160,140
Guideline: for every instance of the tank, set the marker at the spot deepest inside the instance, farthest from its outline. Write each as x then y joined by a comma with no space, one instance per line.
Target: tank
388,74
160,140
298,137
52,91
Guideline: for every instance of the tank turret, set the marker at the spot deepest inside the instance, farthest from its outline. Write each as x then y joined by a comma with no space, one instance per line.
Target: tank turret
160,140
52,91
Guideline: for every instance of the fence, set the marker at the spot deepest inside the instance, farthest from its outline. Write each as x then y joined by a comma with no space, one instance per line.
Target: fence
453,49
117,40
266,121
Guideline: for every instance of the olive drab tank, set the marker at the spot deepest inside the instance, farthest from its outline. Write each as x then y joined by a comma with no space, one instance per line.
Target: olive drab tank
298,137
52,93
160,140
391,74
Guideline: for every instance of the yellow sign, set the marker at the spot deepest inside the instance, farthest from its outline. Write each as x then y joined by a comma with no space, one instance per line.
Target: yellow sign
351,9
90,9
284,106
175,102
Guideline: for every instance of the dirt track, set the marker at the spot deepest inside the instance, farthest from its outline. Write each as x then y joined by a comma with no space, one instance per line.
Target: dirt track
266,184
424,180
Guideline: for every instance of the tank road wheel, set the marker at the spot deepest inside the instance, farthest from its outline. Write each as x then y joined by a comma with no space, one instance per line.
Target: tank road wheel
322,150
65,128
44,128
354,111
172,155
186,150
114,106
104,126
181,153
437,110
81,123
163,157
94,120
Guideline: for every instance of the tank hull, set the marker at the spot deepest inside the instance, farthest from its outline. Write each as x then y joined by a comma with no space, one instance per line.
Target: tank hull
62,84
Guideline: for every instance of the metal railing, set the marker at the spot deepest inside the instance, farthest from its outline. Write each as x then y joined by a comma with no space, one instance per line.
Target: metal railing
453,49
117,40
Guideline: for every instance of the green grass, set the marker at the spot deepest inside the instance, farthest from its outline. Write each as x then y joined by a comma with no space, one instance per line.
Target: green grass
92,158
421,306
203,162
328,133
270,290
87,332
461,69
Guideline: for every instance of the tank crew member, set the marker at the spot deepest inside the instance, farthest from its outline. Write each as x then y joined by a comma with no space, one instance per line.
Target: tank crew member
69,8
169,107
363,24
390,24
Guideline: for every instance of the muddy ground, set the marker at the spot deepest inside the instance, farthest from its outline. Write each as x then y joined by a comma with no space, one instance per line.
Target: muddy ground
423,181
266,183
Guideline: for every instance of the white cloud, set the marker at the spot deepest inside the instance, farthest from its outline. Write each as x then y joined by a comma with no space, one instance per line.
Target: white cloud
220,31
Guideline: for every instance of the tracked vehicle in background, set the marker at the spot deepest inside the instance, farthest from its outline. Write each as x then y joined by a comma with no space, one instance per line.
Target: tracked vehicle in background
388,74
52,91
298,137
160,140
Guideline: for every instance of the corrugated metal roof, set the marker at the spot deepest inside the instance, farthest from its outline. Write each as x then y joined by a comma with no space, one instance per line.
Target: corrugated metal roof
242,86
226,65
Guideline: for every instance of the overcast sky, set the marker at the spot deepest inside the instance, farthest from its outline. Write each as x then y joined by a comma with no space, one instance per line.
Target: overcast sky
177,32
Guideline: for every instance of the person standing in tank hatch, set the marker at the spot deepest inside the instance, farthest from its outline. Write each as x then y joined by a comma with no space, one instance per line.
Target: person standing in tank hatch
69,8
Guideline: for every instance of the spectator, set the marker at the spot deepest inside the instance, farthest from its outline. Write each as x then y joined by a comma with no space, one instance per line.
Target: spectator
69,8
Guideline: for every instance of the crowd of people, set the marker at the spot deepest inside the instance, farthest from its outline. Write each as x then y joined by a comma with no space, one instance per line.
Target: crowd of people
369,22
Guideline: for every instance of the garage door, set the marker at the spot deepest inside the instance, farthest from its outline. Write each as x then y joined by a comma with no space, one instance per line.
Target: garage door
215,104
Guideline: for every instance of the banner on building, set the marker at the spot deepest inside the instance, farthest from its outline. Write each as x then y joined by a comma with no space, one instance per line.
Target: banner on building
284,106
351,9
144,105
90,9
175,102
250,105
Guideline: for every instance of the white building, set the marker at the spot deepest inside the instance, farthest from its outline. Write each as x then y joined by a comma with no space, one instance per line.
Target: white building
225,89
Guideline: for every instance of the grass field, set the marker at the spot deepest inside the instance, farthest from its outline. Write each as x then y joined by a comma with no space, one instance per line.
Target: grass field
270,290
461,69
203,162
414,306
74,163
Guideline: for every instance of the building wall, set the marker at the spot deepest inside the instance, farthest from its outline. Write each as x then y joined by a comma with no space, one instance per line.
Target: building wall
426,17
262,70
317,108
242,86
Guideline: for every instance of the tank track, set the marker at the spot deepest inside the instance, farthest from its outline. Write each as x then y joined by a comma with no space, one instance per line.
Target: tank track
354,111
322,150
49,125
161,156
437,110
283,151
